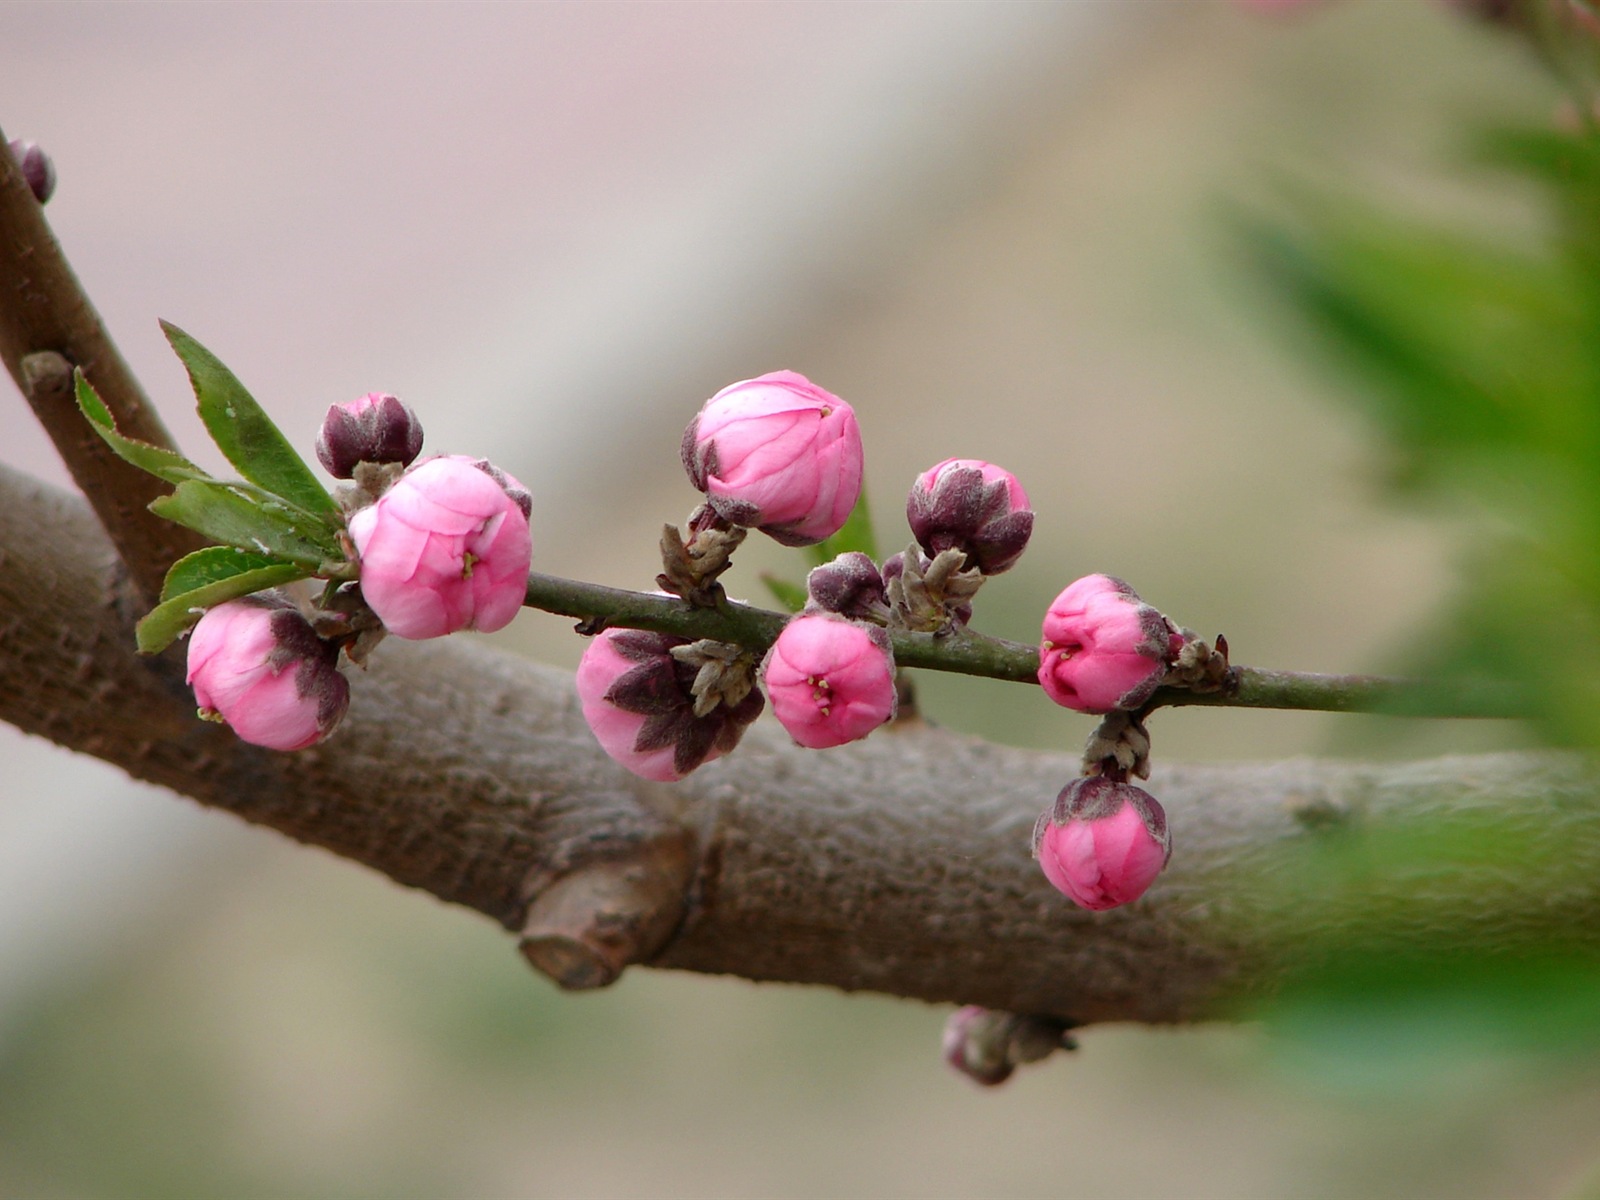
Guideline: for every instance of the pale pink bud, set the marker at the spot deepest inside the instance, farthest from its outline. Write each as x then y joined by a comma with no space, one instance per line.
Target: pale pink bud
779,454
37,168
257,664
637,699
1103,648
446,548
972,506
1103,843
987,1046
375,428
831,681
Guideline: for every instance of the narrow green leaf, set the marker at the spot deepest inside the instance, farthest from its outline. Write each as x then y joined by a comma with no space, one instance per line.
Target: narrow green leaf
855,534
234,518
158,461
213,565
244,432
163,623
788,594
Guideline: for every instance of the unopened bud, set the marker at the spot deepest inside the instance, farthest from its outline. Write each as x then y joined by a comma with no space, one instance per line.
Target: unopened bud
376,428
851,585
37,168
972,506
1103,843
1102,648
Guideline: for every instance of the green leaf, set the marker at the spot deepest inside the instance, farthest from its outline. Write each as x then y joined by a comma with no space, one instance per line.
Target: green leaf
244,432
854,534
156,460
235,517
213,565
788,594
163,623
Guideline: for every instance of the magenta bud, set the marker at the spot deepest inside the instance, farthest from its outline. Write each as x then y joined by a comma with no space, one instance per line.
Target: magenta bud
375,428
257,664
779,454
446,548
851,585
37,169
638,700
1102,648
971,506
1104,842
831,681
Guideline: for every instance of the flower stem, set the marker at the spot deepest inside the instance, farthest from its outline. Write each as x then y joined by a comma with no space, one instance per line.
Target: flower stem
961,650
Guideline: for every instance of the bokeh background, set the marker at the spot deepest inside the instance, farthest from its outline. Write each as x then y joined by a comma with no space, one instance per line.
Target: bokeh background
1000,230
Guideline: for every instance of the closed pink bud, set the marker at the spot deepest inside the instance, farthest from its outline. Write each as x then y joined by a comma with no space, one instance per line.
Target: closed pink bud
1103,648
972,506
446,548
779,454
638,700
831,681
375,428
37,169
1104,842
257,664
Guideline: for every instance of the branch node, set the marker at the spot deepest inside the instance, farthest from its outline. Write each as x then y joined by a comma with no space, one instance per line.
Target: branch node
590,924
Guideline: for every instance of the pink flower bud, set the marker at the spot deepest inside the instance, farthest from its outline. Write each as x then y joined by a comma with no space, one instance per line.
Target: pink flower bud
1103,648
1103,843
971,506
37,169
257,664
446,548
779,454
637,699
376,428
831,681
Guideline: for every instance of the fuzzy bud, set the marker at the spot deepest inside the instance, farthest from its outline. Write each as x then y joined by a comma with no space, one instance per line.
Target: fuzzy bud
987,1046
851,585
639,699
37,169
831,681
446,548
1103,648
1103,843
375,428
972,506
779,454
257,664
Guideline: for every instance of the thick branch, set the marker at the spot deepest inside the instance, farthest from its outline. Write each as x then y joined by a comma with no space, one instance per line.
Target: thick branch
48,326
899,864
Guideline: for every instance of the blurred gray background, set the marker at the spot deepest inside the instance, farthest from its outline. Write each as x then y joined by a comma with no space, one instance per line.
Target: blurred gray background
1000,231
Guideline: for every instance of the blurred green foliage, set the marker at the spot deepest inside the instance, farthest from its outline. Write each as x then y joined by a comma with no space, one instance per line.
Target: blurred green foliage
1475,353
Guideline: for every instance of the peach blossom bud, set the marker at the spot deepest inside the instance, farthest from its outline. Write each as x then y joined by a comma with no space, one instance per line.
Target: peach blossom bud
638,699
1103,648
831,681
988,1046
851,585
779,454
257,664
1103,843
446,548
972,506
37,169
375,428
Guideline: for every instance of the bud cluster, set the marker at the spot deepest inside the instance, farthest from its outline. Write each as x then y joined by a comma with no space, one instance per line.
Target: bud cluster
431,547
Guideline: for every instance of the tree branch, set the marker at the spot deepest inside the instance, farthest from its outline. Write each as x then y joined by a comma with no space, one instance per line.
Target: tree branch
48,326
898,864
970,653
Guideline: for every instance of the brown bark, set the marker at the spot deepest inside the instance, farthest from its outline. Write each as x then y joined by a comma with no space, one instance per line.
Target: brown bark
899,864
